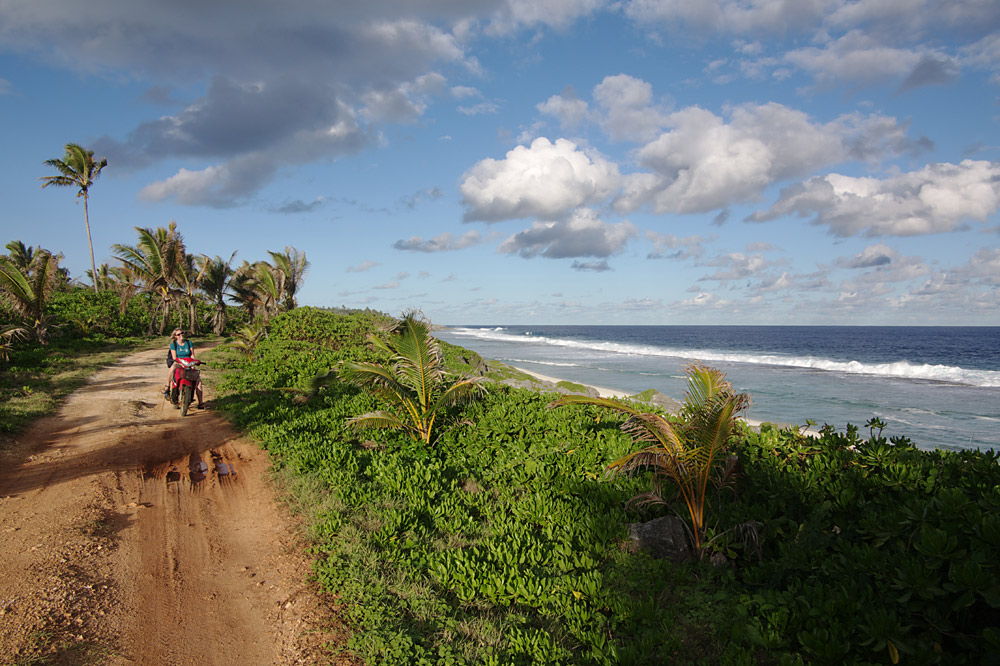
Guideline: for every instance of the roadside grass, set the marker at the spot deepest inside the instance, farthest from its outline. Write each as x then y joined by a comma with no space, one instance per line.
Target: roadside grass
36,379
48,647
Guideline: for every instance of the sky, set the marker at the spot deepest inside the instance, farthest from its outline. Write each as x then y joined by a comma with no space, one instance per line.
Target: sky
532,161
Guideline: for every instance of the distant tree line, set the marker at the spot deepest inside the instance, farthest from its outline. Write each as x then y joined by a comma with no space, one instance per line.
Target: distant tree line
155,284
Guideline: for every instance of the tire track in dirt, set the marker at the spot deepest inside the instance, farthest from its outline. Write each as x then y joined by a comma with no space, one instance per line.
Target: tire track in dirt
130,535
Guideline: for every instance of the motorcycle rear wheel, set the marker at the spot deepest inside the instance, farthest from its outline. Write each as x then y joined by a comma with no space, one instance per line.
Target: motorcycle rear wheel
185,399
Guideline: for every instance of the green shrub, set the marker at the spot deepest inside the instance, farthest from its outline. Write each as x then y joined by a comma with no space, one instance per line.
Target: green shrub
82,313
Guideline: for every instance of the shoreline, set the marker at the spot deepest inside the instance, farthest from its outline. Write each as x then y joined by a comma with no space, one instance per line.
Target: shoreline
604,392
601,391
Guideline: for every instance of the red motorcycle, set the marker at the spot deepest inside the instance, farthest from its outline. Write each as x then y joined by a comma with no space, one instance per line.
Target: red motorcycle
184,383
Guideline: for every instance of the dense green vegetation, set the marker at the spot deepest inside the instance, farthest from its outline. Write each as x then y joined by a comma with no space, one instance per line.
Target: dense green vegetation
504,542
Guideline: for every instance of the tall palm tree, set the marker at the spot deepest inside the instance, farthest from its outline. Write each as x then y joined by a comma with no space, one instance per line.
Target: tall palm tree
156,262
415,384
688,453
294,265
78,169
216,275
26,291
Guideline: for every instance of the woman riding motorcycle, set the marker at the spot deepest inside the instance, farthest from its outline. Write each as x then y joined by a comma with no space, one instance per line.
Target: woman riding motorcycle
180,347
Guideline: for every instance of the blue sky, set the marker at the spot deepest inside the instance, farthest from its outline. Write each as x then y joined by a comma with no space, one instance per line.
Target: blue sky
533,161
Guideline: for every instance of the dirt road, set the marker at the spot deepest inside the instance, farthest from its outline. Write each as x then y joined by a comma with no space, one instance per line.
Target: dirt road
130,535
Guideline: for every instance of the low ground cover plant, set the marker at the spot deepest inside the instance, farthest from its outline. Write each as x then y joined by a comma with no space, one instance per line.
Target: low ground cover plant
504,542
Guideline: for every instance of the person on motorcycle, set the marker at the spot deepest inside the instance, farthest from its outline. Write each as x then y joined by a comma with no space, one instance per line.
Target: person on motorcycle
180,347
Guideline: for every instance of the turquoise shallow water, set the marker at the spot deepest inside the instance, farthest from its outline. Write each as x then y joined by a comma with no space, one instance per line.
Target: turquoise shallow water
940,386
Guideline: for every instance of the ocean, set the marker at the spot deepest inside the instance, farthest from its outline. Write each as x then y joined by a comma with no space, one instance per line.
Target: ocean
939,386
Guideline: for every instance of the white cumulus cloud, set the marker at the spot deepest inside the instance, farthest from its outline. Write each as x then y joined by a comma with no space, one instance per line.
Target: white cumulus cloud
937,198
567,108
704,162
628,109
514,14
544,180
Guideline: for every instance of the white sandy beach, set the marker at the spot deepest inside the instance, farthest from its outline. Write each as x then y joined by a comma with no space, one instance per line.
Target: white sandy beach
603,392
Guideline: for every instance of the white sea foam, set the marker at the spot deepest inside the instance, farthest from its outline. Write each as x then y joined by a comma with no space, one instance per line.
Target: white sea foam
897,369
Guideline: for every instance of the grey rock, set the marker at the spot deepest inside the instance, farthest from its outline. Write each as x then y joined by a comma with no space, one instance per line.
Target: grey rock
654,397
661,537
719,560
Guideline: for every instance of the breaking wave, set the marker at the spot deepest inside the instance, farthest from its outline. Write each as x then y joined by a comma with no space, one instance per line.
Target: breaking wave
902,369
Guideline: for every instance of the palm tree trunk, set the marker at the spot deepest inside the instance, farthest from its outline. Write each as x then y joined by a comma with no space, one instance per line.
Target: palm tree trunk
220,317
165,317
90,243
193,316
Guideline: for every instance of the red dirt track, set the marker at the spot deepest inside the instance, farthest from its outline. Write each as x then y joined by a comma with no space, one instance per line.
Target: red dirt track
130,535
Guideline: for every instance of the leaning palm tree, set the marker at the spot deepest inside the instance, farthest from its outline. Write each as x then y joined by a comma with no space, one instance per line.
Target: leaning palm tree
26,291
415,383
78,169
245,291
269,282
687,454
155,263
216,275
293,265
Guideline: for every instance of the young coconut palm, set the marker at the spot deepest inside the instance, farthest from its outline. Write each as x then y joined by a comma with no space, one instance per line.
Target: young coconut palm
686,454
416,383
26,291
248,337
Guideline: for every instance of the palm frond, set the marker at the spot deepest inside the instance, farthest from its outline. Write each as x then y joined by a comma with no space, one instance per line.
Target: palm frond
460,391
648,427
15,287
381,420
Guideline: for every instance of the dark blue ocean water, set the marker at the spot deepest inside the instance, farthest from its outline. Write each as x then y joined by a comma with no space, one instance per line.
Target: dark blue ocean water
940,386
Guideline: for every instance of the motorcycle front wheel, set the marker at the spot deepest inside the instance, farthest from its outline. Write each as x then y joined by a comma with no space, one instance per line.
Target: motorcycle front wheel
185,399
